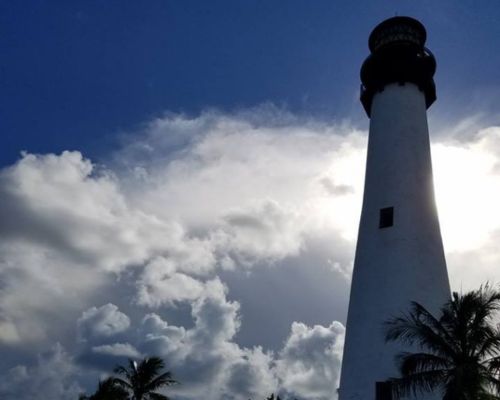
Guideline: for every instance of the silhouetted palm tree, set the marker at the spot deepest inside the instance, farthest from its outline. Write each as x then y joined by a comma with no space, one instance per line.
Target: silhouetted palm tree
143,379
107,390
459,351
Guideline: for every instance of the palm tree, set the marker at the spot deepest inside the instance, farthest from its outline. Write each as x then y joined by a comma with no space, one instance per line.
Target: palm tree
143,379
107,390
458,353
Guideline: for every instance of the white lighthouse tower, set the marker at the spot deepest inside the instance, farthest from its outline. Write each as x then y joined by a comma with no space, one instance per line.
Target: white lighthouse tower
399,254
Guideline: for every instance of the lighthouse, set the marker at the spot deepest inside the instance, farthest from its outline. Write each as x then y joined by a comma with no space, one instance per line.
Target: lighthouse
399,254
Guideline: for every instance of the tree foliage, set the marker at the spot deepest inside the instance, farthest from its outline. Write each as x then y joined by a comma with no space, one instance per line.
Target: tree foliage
107,390
458,352
144,379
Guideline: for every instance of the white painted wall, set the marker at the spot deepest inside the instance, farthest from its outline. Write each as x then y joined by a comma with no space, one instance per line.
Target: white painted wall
402,263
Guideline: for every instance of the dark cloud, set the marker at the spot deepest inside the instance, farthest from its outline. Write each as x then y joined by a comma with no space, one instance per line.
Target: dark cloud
53,375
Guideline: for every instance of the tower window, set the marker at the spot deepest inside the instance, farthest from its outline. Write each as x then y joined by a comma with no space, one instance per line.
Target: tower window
386,217
383,390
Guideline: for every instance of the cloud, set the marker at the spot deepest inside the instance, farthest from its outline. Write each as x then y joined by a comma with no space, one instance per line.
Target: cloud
104,321
261,231
63,203
117,350
203,240
309,364
216,320
252,375
160,284
67,231
65,226
53,377
8,332
232,164
207,360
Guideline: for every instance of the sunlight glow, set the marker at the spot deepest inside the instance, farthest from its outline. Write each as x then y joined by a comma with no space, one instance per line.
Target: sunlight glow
342,208
467,194
467,186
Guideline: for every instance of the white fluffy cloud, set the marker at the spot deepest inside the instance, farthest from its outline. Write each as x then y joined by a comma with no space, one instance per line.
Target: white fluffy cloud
180,218
240,166
66,204
65,226
104,321
309,364
160,283
205,358
211,364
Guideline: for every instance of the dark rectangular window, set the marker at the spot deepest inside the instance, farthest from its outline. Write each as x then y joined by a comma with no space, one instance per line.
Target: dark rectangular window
383,391
386,217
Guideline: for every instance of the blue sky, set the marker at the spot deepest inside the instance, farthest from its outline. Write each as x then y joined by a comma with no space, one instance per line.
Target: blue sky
192,181
75,74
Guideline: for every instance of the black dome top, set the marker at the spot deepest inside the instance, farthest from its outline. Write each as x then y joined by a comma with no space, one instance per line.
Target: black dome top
398,55
397,30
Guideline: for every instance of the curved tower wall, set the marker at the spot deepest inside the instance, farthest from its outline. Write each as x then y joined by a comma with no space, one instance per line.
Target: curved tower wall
399,254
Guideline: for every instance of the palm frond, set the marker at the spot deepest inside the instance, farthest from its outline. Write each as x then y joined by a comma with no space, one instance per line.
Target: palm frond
490,345
414,363
120,370
421,328
418,383
459,351
143,378
493,384
123,383
164,379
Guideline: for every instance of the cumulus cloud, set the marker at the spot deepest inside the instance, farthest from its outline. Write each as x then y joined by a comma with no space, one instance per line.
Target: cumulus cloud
209,362
236,165
64,203
203,356
264,230
309,364
104,321
160,283
216,320
65,226
202,233
251,375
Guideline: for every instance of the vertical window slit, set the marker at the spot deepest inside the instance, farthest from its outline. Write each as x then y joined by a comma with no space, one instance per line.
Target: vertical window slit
386,217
